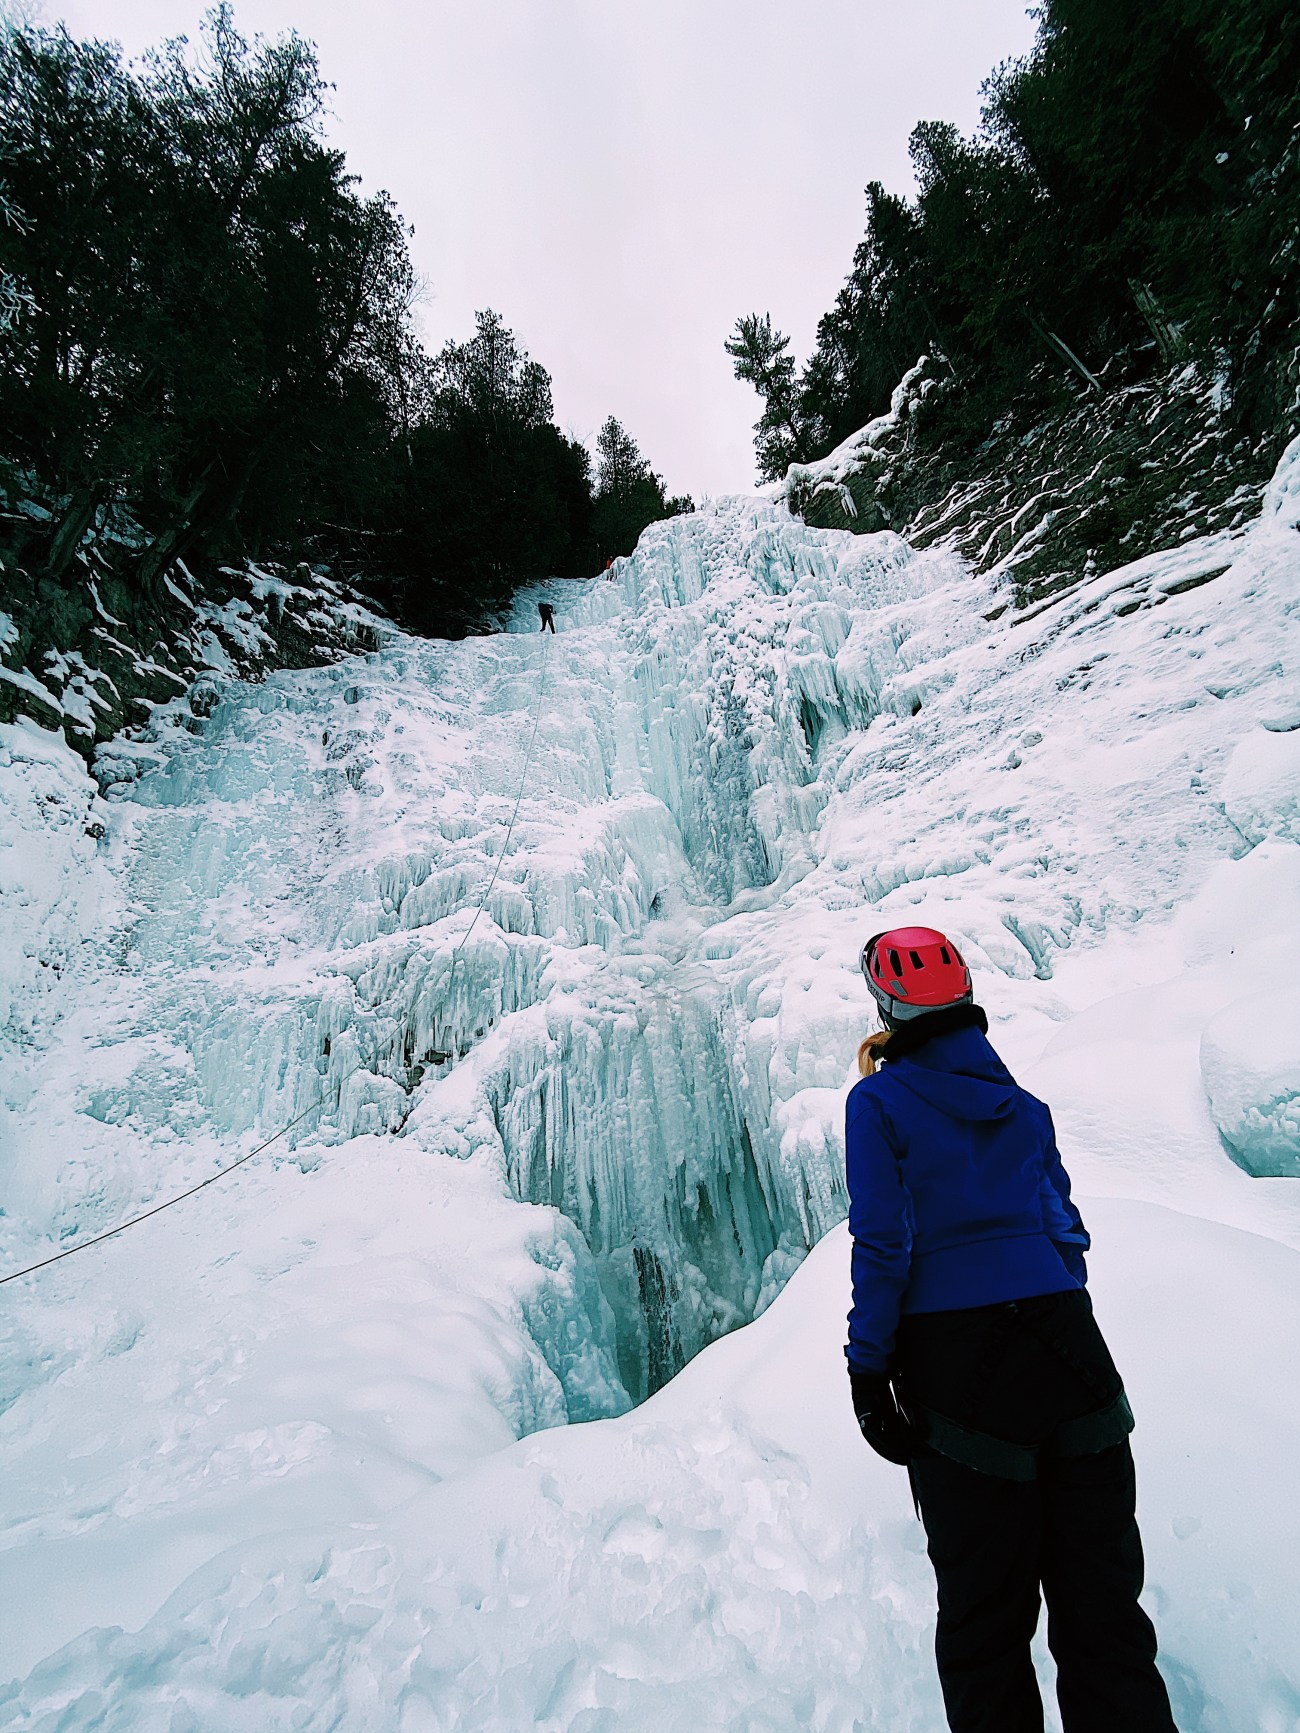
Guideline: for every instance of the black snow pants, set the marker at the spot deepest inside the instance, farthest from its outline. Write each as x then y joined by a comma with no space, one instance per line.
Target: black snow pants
1027,1374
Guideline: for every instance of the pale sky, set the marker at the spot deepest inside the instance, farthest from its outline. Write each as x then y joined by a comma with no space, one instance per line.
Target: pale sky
620,179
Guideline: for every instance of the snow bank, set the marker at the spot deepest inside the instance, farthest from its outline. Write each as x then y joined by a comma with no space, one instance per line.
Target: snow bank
1261,790
730,1556
269,1455
1250,1061
860,452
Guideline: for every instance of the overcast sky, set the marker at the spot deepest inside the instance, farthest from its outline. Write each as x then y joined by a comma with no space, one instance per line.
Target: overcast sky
621,179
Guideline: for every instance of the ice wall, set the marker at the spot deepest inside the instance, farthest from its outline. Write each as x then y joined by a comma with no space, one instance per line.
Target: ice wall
556,1155
299,863
753,734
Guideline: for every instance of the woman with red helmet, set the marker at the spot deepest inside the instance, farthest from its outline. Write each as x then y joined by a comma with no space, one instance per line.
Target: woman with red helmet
975,1360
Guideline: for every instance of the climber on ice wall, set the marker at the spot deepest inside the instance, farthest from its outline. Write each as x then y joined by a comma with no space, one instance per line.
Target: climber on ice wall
975,1361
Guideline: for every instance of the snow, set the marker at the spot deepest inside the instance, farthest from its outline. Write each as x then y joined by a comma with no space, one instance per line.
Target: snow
26,681
1250,1064
441,1412
830,474
1281,502
1261,791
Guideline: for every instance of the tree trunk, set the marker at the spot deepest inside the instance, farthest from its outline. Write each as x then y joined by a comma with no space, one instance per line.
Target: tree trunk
76,520
1169,339
1062,349
214,497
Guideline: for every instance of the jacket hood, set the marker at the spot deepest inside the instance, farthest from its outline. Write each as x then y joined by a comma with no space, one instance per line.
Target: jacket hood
959,1074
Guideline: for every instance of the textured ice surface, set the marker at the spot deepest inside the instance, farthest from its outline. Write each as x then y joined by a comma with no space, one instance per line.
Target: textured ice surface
1250,1060
1261,791
549,1171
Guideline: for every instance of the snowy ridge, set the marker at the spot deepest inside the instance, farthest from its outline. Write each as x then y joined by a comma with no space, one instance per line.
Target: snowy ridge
861,451
99,671
1051,496
611,1133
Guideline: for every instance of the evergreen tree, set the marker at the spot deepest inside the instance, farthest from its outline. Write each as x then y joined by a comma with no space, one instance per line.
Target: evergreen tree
488,384
881,321
1129,202
761,358
215,314
629,495
492,493
205,326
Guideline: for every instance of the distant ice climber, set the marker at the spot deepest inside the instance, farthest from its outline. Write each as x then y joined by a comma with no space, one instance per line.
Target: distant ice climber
548,617
969,1298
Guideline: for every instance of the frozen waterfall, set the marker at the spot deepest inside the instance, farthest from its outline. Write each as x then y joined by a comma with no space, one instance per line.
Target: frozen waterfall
539,1174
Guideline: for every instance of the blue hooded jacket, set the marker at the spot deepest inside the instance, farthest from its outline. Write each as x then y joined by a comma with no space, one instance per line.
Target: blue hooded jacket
957,1195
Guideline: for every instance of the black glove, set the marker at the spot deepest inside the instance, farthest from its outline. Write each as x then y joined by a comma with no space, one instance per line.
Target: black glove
883,1426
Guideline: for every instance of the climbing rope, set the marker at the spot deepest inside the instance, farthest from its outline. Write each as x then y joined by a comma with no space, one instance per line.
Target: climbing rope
361,1065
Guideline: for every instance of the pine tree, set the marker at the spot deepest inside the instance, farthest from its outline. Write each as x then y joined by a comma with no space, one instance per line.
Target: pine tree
1130,201
620,465
760,355
629,495
206,327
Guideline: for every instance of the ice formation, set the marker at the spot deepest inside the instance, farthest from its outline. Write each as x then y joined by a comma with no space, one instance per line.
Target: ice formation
1250,1061
551,1166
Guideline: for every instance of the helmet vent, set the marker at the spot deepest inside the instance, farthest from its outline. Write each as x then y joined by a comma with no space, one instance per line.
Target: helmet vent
916,961
943,952
894,963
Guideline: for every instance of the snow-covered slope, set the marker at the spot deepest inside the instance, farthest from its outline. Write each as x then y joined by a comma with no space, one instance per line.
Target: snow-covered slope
271,1433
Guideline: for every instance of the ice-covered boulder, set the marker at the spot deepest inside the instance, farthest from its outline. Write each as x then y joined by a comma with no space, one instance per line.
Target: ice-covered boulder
1250,1066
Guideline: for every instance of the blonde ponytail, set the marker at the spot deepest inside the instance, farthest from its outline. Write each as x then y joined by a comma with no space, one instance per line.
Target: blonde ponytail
872,1051
898,1043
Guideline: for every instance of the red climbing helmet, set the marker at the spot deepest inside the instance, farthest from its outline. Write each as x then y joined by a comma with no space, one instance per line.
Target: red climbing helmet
912,970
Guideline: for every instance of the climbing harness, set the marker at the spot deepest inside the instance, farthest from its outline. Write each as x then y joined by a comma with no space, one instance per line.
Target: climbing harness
361,1065
1085,1436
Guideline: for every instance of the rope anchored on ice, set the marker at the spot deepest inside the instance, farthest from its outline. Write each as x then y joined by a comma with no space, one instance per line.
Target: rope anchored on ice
361,1065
